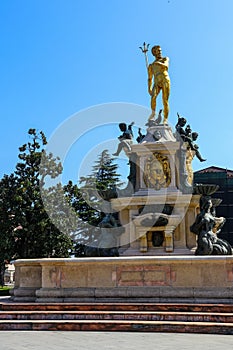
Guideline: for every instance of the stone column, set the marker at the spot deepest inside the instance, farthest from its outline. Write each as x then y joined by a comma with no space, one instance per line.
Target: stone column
168,234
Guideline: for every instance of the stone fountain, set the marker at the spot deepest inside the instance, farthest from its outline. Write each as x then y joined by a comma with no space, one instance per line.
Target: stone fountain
157,261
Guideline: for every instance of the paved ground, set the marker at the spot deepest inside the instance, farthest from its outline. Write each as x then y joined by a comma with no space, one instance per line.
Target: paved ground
22,340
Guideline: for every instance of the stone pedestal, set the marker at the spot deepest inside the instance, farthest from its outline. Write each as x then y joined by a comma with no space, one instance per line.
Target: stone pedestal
177,236
156,163
161,207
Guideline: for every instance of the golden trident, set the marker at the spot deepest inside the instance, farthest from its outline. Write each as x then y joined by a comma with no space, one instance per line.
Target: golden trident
144,49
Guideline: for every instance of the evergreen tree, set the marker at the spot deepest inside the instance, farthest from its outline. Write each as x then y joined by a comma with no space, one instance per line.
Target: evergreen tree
92,198
105,171
102,183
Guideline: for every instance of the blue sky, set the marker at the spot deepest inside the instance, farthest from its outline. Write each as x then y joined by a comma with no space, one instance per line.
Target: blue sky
59,57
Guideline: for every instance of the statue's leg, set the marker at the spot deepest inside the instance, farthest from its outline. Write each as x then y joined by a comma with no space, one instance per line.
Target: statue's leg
166,93
119,149
204,245
153,103
198,155
126,145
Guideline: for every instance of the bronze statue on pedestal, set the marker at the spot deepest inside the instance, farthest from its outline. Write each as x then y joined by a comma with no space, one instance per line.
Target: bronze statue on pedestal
158,80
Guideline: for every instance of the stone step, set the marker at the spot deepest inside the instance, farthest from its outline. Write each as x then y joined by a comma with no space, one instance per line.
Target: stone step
8,306
119,325
137,317
118,315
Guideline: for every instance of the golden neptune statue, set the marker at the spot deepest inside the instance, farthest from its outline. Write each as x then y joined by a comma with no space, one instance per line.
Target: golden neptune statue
158,80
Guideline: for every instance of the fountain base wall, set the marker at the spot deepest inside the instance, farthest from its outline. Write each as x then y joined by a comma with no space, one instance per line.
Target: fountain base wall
125,279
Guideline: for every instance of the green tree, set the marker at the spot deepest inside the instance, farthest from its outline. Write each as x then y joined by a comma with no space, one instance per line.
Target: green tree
91,199
8,223
37,237
104,174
